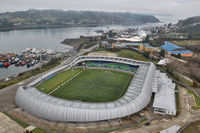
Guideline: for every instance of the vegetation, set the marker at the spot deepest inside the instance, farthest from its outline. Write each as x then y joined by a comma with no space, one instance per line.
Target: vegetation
58,18
25,75
177,101
57,80
38,130
190,69
22,124
190,26
189,21
197,99
192,128
126,53
131,54
162,53
94,85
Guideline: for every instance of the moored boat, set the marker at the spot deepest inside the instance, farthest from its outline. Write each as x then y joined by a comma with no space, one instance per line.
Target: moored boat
1,64
6,64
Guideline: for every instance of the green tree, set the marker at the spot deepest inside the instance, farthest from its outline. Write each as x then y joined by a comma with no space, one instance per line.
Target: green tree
146,54
162,53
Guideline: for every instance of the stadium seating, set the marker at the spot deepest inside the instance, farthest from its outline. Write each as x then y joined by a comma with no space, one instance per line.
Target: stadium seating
112,65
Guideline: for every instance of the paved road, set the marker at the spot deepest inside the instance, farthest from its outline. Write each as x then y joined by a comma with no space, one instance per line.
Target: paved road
7,125
186,115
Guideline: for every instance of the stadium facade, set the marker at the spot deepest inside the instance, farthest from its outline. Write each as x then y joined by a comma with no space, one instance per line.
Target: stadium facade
136,98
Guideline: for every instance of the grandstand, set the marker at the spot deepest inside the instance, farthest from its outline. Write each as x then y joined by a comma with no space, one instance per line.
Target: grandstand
111,65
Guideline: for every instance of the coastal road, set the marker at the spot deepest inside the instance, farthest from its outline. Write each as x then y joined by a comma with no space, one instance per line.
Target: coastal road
7,95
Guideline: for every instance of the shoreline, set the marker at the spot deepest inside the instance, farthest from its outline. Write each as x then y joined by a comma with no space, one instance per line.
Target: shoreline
35,27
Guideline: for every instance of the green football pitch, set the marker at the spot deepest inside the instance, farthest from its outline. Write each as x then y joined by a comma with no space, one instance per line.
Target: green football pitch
95,85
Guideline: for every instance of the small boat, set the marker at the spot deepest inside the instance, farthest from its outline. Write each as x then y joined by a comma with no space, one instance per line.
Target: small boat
23,63
17,64
1,64
6,64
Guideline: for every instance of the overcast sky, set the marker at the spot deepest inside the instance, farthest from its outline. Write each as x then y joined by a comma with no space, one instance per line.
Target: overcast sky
179,8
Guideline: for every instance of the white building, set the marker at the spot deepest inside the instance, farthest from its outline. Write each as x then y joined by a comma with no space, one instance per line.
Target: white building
165,100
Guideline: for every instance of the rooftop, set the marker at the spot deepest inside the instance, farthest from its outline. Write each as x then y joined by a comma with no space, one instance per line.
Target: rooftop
172,48
165,97
135,44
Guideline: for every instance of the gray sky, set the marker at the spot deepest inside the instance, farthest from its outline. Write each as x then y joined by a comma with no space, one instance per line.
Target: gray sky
178,8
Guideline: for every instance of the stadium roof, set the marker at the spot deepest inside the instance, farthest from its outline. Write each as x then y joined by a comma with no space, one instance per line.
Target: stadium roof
172,48
136,98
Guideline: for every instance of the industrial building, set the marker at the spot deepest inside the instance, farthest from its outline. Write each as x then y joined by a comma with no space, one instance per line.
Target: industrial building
136,46
171,48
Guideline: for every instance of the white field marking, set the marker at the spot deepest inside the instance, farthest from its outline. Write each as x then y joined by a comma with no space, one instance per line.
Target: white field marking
21,83
65,83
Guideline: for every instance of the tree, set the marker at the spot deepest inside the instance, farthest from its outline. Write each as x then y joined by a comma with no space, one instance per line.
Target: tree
179,55
146,54
162,53
147,39
169,25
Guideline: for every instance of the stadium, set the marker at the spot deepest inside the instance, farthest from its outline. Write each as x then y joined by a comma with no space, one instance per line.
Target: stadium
127,83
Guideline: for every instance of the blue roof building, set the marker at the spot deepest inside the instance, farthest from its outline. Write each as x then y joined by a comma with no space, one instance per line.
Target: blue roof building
174,49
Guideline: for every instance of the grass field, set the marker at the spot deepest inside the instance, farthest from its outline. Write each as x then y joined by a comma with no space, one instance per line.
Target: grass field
57,80
95,85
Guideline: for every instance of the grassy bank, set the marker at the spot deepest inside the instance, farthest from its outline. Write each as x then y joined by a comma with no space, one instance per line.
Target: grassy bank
126,53
192,128
177,101
26,75
39,130
197,100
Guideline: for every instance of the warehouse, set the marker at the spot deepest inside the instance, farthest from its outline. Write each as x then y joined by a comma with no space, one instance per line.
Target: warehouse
171,48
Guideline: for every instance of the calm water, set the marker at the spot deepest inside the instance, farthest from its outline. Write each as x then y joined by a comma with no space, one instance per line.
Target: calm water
17,41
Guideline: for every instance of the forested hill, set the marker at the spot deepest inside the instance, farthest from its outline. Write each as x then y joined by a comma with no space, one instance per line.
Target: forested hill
59,18
190,25
190,21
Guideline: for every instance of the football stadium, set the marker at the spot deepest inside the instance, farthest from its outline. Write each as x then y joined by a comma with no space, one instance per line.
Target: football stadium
91,88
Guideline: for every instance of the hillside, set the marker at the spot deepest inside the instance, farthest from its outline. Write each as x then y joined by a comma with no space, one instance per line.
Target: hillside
190,26
58,18
190,21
